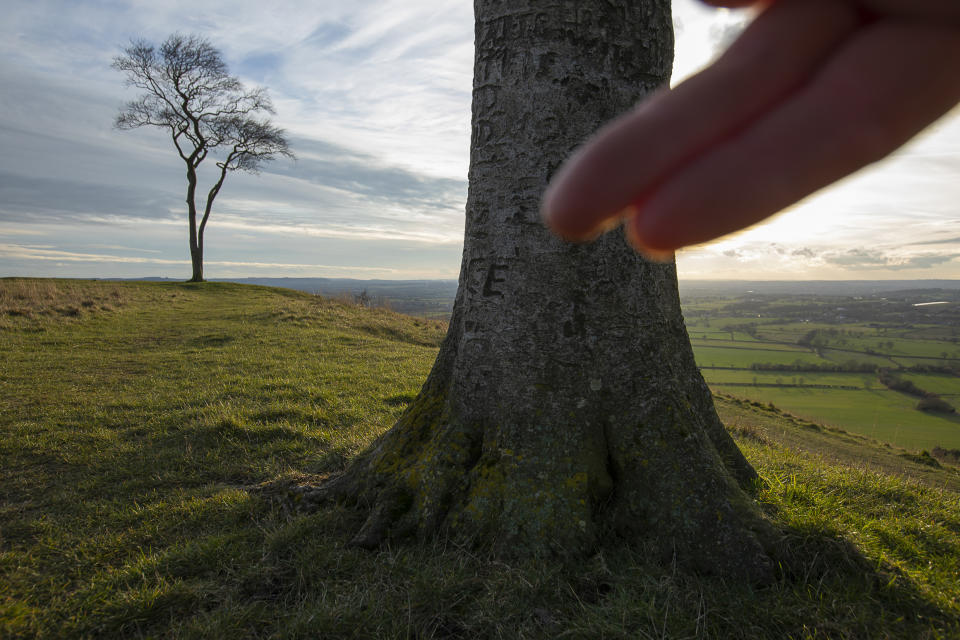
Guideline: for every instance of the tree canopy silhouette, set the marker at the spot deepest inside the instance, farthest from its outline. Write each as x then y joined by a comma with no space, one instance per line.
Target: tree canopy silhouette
188,91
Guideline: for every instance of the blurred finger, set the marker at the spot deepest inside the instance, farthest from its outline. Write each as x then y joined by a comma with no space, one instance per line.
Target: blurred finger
941,10
732,4
886,85
776,54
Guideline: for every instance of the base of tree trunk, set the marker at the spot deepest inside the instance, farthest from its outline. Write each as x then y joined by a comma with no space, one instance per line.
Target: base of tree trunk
565,410
657,484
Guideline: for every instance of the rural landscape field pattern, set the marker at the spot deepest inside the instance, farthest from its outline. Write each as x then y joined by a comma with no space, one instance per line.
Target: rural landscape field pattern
863,363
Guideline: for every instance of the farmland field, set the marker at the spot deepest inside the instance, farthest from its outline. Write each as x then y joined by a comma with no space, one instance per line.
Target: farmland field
781,378
711,356
884,415
822,358
942,385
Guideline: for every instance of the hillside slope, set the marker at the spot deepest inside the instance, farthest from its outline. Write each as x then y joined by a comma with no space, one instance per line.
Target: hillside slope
139,423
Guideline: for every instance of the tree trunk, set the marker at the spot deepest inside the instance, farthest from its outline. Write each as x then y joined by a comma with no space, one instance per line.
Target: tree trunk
196,236
565,407
196,260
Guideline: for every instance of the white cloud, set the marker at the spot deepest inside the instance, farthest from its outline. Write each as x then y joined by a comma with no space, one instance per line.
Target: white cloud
376,97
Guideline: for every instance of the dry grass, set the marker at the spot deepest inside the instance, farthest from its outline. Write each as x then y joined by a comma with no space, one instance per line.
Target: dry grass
30,300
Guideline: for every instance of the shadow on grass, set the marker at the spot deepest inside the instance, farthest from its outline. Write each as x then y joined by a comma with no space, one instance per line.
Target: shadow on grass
824,588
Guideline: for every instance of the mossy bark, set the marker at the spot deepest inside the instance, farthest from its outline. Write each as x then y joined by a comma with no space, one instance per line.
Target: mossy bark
565,407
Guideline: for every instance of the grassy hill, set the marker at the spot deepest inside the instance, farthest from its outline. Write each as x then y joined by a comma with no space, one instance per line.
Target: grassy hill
140,423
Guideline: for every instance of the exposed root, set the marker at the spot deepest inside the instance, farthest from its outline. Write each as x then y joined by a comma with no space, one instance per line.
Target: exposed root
341,488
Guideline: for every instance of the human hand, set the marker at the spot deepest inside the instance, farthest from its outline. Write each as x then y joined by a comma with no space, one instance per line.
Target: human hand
811,91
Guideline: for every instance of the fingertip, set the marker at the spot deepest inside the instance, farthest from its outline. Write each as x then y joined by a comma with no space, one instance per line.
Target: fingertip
563,222
633,229
570,219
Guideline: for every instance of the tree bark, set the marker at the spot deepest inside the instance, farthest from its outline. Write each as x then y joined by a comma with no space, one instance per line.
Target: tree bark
565,408
196,261
196,235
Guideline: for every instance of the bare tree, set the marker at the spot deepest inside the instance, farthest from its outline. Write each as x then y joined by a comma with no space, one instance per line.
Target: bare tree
207,112
565,409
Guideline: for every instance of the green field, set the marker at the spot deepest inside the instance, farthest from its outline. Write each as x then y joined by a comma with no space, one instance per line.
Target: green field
903,361
711,334
788,362
903,347
786,331
943,385
145,430
751,344
843,356
708,356
884,415
780,378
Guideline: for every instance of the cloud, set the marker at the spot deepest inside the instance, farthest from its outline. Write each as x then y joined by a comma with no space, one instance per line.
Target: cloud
953,240
877,259
375,95
722,34
702,33
418,234
15,251
33,252
756,251
323,163
40,199
71,166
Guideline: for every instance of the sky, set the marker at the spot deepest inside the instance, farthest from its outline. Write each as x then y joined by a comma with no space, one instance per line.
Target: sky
375,98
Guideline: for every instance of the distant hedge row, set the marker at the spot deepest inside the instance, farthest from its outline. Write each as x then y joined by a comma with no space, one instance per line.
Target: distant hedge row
928,401
851,366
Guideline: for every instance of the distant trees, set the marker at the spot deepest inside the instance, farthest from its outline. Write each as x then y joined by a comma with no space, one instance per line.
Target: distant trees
928,401
189,93
936,404
749,328
850,366
892,381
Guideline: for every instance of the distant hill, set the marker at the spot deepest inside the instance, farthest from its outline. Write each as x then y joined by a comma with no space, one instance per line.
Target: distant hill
809,287
434,298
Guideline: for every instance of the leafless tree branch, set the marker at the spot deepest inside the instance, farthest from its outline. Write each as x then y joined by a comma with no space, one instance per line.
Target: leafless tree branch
187,90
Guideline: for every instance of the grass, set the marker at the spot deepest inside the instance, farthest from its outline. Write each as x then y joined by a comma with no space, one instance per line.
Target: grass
903,347
26,302
133,436
940,384
743,357
760,370
797,378
878,413
751,345
842,356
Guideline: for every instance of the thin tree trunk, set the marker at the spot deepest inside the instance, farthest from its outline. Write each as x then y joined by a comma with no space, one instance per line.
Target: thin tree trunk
565,408
196,236
196,261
